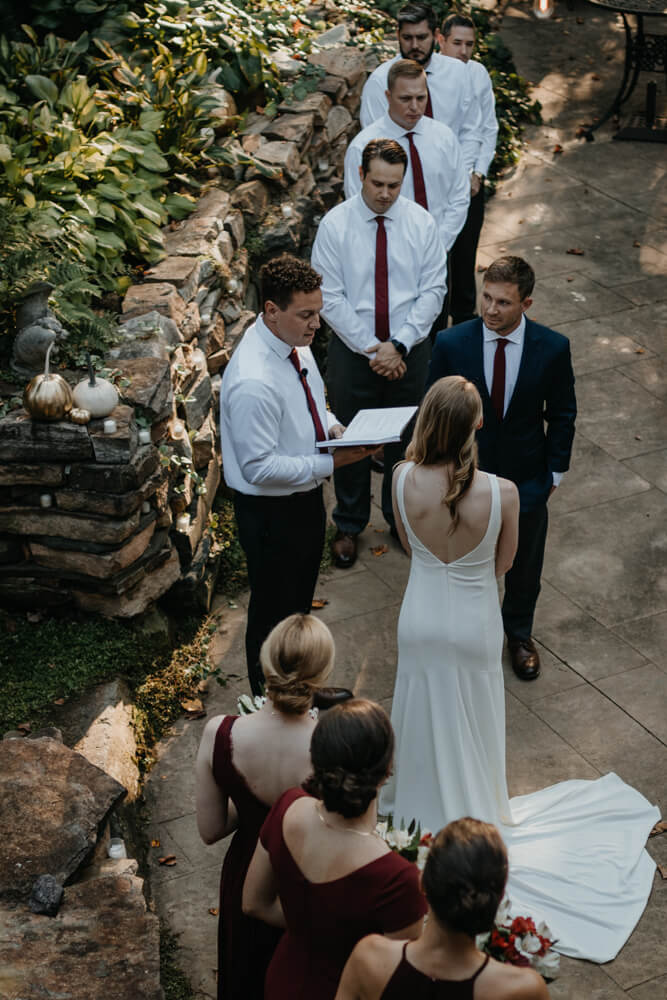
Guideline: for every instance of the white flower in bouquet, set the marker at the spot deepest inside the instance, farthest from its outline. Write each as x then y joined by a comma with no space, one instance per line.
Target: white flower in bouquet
529,945
545,931
547,965
481,940
422,854
381,829
399,839
247,705
503,910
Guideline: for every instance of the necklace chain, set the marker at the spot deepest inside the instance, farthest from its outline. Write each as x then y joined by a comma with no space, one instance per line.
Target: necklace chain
340,829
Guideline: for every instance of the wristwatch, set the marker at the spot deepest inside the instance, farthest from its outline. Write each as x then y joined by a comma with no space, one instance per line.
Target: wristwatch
401,348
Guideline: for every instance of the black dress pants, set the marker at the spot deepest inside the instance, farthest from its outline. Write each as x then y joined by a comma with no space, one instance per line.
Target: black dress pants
282,538
462,257
522,581
354,386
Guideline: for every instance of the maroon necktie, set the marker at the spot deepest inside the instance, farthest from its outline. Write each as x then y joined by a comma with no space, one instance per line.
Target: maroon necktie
417,173
429,107
381,282
301,372
498,384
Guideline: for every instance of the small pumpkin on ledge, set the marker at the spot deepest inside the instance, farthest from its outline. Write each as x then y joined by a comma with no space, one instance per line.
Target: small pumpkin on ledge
47,396
97,395
79,416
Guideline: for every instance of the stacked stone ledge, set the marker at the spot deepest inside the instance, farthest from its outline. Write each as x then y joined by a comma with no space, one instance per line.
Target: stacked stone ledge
113,540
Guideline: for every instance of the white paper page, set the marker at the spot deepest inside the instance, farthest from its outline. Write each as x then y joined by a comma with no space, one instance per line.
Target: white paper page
379,426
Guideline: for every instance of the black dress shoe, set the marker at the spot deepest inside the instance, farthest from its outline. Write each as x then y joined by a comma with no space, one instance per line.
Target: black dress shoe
525,659
329,696
344,550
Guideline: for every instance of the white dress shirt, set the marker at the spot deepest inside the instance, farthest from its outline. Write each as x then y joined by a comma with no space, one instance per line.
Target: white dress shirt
344,254
513,353
267,431
445,176
488,126
452,100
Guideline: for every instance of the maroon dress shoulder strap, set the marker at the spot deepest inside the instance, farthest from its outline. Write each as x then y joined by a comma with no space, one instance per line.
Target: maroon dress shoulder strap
222,749
481,969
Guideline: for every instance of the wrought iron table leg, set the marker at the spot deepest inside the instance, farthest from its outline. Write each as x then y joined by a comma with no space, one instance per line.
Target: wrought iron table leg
621,96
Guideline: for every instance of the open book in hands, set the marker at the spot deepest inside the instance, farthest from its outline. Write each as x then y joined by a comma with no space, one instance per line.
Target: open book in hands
374,427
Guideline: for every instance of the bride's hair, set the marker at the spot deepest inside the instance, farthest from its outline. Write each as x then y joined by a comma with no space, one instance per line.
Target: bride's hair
297,656
445,432
465,874
351,751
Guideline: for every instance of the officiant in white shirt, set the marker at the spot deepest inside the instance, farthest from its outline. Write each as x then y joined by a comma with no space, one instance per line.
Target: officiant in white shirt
450,94
436,176
272,412
383,271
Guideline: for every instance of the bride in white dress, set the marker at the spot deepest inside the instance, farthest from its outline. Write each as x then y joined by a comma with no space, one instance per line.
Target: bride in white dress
576,849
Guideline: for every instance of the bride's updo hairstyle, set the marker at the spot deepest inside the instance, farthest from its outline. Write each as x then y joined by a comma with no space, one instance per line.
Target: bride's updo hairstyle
465,874
351,751
445,432
297,656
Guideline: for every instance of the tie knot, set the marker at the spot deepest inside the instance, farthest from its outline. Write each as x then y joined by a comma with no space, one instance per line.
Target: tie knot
501,342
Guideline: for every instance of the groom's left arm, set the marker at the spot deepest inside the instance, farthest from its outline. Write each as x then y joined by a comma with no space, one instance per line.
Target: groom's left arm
560,408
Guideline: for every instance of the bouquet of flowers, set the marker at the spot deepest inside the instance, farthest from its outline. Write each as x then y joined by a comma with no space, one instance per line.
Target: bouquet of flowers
247,705
513,939
518,941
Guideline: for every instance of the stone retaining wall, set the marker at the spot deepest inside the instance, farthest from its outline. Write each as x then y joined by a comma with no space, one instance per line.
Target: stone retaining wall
114,539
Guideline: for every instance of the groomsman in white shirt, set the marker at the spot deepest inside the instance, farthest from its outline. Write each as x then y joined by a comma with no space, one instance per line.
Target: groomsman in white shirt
272,411
383,281
457,39
436,177
450,97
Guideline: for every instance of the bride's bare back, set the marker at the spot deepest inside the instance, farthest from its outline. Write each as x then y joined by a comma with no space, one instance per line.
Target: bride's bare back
423,492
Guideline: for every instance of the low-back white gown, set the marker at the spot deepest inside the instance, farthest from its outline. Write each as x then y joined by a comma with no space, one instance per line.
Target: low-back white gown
576,849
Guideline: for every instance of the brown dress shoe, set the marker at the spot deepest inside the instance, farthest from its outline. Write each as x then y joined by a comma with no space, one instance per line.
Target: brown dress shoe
344,550
525,659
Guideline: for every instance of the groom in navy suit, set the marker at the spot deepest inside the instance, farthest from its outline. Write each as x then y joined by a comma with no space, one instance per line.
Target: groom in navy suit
523,372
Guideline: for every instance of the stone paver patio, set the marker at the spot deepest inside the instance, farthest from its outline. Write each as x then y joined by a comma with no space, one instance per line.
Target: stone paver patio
601,701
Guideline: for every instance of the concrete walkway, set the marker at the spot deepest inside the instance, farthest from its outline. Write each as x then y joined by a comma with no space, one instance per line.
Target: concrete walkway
601,701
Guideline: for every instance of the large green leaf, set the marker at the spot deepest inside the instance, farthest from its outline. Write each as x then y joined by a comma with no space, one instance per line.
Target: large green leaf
151,120
43,88
109,191
150,159
109,240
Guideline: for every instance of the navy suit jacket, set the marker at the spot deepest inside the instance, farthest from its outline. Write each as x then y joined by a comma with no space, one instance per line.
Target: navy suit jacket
518,447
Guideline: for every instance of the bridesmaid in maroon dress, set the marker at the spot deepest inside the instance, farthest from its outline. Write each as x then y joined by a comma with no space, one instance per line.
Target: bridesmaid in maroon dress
244,764
464,881
321,871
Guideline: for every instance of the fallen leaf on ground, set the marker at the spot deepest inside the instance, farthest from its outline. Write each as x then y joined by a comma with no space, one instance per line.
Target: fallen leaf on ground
58,701
663,871
660,827
155,843
319,602
636,243
213,911
638,437
24,727
640,350
576,251
595,76
569,279
580,20
379,550
582,130
169,860
557,148
192,705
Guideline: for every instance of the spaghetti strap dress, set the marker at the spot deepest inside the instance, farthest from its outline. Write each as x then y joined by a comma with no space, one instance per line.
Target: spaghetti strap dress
410,982
577,856
245,945
325,920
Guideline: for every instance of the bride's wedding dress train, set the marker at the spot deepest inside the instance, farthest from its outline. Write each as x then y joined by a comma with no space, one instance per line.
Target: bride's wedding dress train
576,849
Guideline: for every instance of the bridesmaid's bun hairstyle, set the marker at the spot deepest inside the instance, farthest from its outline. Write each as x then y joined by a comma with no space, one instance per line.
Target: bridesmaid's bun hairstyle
297,657
351,750
445,432
465,874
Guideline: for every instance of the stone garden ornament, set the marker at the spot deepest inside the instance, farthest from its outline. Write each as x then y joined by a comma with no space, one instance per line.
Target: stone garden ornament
37,328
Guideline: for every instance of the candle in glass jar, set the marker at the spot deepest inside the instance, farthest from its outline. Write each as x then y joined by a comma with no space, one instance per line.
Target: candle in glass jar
145,507
110,426
322,165
144,436
45,500
286,210
182,522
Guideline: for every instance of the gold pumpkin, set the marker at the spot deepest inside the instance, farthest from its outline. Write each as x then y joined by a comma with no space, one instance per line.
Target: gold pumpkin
47,396
78,415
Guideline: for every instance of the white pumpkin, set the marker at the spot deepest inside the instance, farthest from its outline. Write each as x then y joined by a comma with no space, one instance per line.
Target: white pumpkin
97,395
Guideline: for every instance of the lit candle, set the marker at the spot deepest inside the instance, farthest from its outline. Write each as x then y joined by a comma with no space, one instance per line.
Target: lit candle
145,507
110,426
542,9
46,500
286,210
322,165
182,522
116,848
232,286
177,429
144,436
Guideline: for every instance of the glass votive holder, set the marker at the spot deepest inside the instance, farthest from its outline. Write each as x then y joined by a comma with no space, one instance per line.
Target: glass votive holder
110,426
116,848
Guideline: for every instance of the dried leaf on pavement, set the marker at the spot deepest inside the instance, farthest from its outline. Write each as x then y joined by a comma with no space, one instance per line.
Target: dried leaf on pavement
576,251
379,550
24,727
558,148
636,243
155,843
169,860
58,701
213,911
192,705
319,602
660,827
